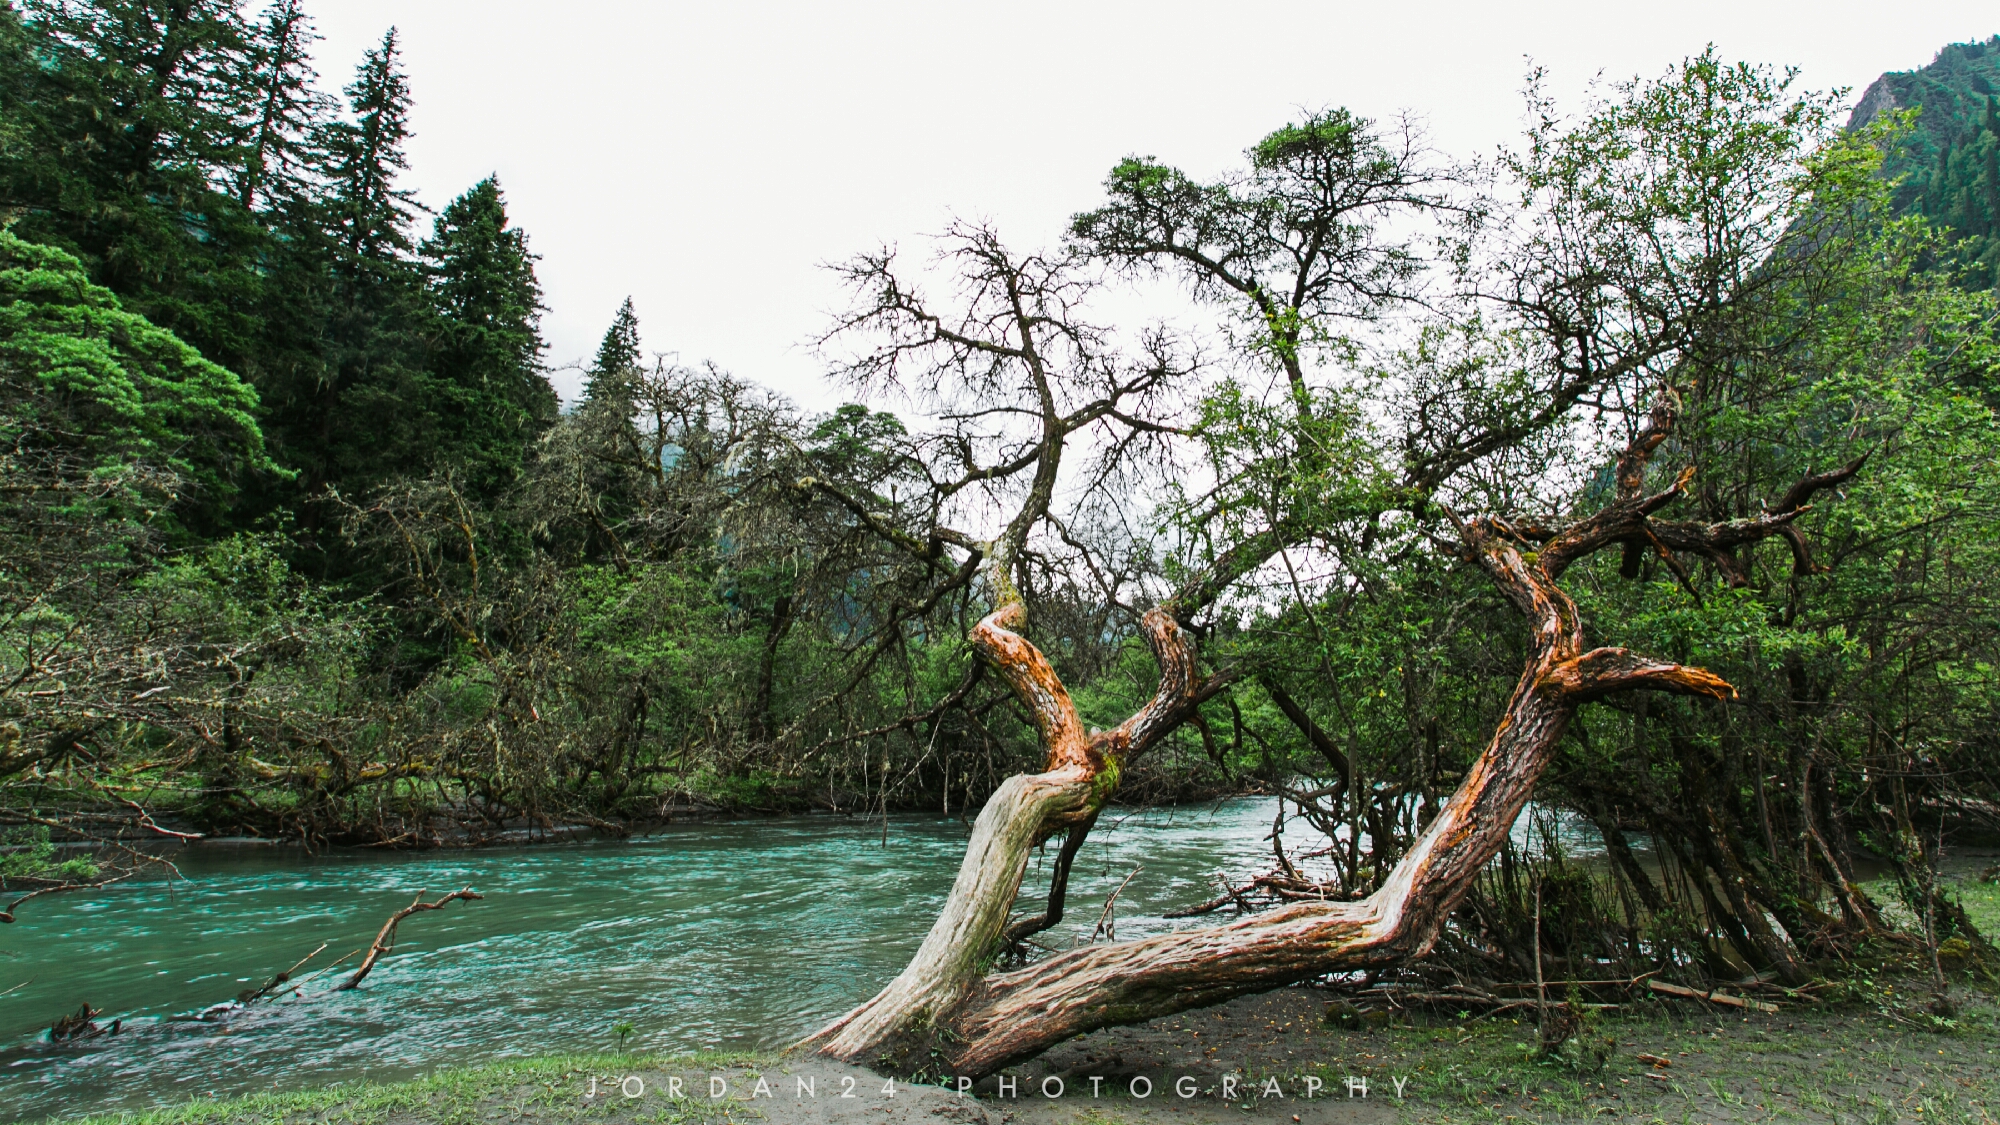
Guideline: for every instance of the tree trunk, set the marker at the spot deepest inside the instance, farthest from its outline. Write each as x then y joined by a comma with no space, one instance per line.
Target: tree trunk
941,1007
1082,772
945,1010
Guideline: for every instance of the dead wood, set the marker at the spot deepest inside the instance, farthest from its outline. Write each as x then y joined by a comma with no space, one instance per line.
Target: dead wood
1715,997
385,940
56,888
252,995
1107,924
81,1025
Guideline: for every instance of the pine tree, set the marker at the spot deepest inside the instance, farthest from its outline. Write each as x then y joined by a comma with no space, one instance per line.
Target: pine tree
1992,170
344,318
147,81
372,214
1992,185
609,379
281,110
589,475
488,391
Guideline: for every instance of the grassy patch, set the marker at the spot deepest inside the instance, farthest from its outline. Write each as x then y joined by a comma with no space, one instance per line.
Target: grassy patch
1981,900
541,1090
1871,1055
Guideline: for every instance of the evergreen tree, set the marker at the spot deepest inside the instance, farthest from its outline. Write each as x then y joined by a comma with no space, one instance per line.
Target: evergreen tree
592,470
281,110
346,301
610,376
1946,169
488,393
1992,179
371,213
84,376
124,137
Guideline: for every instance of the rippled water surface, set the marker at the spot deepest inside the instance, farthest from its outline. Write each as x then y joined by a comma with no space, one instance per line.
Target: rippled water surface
726,936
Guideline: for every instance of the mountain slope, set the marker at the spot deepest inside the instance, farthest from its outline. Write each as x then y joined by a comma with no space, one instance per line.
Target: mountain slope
1950,167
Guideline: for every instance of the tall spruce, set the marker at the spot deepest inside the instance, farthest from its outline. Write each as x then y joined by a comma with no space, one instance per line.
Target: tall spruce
125,138
488,395
366,155
593,474
609,379
280,108
342,327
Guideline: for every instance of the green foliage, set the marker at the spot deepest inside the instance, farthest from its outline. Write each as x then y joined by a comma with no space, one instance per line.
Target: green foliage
483,385
1295,248
30,857
86,373
618,358
393,593
125,125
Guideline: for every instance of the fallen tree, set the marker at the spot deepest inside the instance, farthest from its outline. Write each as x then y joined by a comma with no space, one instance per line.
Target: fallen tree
948,1010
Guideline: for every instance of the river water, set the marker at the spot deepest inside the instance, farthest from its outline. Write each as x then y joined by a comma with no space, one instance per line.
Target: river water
730,936
735,935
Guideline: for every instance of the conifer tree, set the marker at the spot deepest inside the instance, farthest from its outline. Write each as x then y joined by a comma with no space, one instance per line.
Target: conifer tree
489,395
124,136
592,467
1992,178
609,378
371,213
341,325
281,110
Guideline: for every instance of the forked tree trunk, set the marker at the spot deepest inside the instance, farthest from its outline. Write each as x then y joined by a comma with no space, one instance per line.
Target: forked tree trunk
946,1013
1082,772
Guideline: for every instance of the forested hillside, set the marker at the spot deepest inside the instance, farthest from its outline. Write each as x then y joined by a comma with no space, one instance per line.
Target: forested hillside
298,543
1949,166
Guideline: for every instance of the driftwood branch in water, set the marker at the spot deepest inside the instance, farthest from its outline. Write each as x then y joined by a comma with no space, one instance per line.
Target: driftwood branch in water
386,939
82,1025
947,1009
252,995
7,915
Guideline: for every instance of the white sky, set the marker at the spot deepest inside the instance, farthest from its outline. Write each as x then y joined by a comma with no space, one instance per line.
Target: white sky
706,158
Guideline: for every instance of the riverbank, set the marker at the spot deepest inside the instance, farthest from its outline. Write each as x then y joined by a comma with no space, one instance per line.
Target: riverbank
1869,1051
742,937
1667,1060
169,828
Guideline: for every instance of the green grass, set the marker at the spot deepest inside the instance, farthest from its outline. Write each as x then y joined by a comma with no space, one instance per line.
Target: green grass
1981,900
1850,1063
542,1090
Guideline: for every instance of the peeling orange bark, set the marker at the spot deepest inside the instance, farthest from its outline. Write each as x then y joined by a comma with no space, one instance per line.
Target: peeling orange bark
1080,775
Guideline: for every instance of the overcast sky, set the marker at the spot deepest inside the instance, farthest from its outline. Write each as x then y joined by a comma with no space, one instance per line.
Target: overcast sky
706,158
